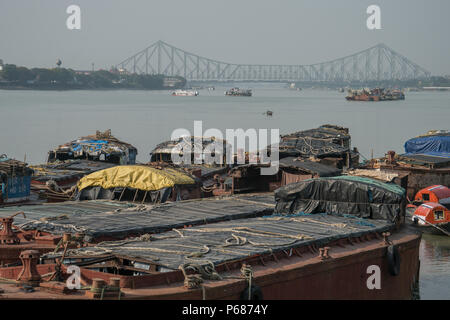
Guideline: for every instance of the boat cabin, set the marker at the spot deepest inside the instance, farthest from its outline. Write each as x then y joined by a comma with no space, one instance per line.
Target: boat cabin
328,144
99,147
434,193
433,213
205,146
248,177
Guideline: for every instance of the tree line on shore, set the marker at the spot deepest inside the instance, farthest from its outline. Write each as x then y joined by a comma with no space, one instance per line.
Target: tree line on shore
62,78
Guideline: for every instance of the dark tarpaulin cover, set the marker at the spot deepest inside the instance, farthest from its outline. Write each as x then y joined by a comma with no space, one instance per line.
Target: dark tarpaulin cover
307,146
263,235
312,167
362,197
430,144
97,193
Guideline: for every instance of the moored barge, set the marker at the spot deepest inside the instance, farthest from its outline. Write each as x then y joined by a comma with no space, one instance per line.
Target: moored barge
239,92
359,249
41,227
426,161
376,94
55,181
185,93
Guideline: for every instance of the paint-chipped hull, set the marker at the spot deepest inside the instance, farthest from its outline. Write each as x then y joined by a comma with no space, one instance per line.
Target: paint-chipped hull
342,277
295,274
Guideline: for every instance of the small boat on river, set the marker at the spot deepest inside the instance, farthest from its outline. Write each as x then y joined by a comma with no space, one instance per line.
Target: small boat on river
376,94
239,92
185,93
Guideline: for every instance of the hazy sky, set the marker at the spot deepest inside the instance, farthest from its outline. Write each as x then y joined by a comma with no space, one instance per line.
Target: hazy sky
34,32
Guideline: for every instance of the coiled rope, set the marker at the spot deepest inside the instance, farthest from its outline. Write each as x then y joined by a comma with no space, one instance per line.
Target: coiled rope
203,271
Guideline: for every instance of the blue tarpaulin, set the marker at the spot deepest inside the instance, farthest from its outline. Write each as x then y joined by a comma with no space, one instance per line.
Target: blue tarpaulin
431,154
97,144
430,144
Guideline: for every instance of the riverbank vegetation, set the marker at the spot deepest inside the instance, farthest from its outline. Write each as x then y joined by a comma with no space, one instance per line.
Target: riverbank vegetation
14,77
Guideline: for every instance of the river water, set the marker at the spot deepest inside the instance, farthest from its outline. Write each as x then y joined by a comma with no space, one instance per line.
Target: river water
33,122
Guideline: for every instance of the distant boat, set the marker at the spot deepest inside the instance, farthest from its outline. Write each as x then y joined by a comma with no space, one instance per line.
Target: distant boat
238,92
377,94
185,93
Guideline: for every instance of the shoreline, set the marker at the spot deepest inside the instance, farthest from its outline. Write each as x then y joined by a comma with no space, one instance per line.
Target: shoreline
84,89
22,88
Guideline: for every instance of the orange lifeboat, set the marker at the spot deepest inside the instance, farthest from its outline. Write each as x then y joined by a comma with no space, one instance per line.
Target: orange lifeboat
431,214
434,193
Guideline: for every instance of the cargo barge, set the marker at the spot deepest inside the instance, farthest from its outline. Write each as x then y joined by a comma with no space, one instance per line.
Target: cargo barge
185,93
41,227
239,92
359,249
55,181
426,162
376,94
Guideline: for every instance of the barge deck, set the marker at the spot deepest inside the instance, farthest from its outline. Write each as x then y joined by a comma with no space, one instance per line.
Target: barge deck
296,257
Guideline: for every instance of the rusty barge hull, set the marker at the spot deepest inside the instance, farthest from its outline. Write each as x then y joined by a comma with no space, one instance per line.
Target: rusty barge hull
298,274
343,276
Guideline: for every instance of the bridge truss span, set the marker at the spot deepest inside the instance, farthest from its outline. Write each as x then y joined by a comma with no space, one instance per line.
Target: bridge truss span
374,64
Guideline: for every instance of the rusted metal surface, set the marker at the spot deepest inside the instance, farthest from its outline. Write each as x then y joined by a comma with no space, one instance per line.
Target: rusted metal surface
7,235
10,254
29,274
344,276
324,253
12,243
54,287
31,240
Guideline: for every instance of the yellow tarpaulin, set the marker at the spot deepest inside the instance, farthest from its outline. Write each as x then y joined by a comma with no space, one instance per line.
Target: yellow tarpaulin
137,177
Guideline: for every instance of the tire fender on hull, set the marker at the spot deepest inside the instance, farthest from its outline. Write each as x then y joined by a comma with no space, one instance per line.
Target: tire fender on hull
255,293
393,257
